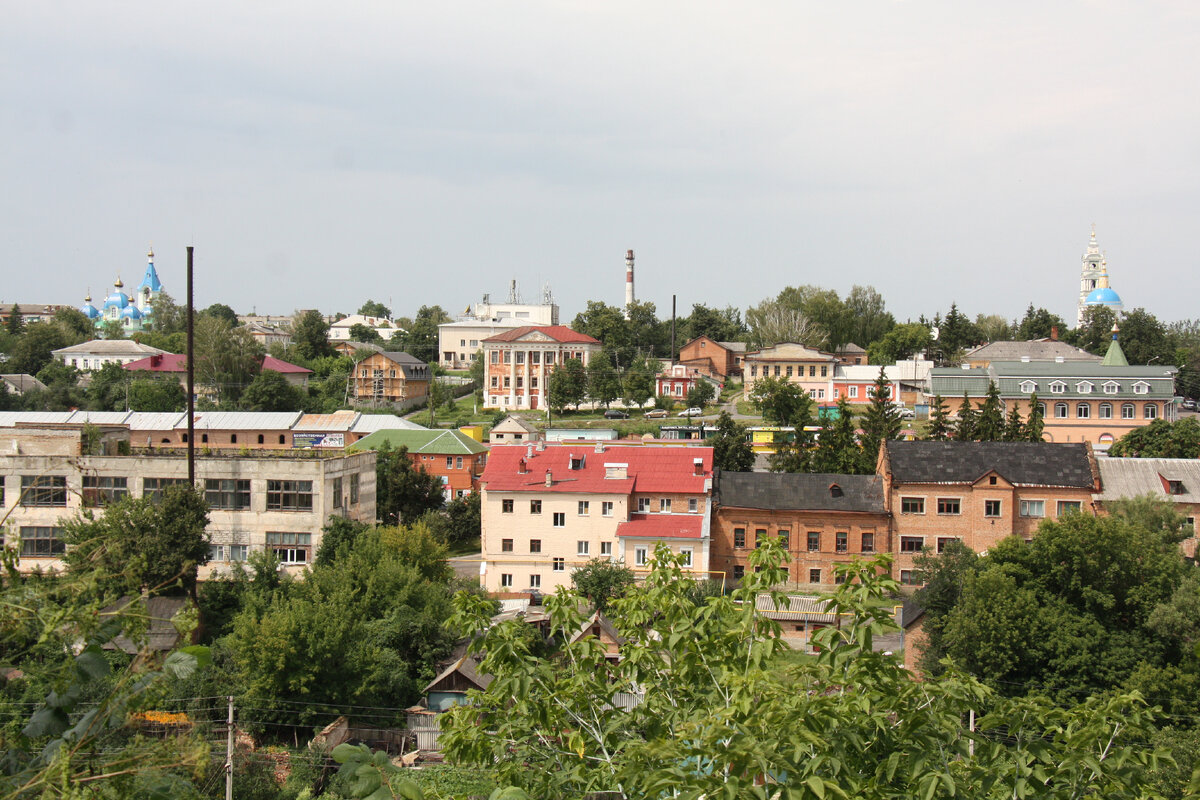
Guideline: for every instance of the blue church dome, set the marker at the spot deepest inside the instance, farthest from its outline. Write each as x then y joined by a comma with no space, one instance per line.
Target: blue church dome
131,312
89,311
1103,297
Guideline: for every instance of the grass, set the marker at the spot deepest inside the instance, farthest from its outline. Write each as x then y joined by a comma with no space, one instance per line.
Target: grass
748,408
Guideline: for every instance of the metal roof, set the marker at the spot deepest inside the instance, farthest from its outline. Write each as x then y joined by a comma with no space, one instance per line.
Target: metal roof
109,347
1134,477
444,443
242,420
10,418
1036,350
156,420
337,421
99,418
369,423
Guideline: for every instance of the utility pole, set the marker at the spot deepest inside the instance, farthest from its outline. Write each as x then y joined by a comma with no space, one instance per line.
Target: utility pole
191,388
229,753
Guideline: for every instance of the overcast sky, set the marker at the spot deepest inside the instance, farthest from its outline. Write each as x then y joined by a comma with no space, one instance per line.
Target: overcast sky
317,154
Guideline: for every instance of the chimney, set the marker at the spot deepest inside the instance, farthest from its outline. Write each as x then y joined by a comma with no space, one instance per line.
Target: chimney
599,447
541,445
628,281
1059,359
549,479
698,466
1054,333
529,451
521,467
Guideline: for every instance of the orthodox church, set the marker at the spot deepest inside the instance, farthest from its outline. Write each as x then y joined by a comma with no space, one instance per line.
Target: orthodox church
132,311
1093,282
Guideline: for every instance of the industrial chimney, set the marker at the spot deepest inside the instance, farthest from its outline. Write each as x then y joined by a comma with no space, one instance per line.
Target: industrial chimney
628,281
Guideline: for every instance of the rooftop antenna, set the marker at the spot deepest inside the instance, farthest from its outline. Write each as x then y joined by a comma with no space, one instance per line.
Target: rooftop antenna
513,298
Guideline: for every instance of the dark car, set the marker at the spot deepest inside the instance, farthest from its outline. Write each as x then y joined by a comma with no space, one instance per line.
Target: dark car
614,413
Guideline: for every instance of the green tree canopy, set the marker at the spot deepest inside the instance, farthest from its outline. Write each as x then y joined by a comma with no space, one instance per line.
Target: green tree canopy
373,308
601,580
881,422
603,382
638,381
567,384
404,492
901,342
1038,323
1161,439
270,391
783,402
227,358
731,450
157,394
34,349
222,311
310,335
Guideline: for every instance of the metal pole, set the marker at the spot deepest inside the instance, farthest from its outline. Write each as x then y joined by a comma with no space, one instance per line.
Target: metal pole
971,743
191,382
229,751
672,329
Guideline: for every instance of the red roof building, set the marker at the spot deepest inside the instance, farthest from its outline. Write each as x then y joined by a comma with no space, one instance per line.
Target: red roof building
176,364
550,508
517,363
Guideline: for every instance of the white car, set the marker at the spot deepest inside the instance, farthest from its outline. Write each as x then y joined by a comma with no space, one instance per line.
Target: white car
904,411
692,412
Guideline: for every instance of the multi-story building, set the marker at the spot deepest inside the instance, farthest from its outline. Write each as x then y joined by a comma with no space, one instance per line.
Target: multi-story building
1051,349
979,492
677,380
451,455
549,509
339,330
811,369
856,383
1174,479
715,359
1080,401
822,520
459,342
256,502
517,363
394,378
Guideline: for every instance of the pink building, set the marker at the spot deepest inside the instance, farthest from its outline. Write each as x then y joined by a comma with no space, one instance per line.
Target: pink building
856,382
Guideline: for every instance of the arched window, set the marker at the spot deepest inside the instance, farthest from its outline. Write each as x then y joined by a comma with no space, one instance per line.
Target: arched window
1150,411
1106,411
1060,410
184,437
1083,410
1127,411
1042,410
260,439
281,438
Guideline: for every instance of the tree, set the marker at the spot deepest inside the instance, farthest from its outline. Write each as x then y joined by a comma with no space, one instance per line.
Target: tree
724,325
464,520
1014,427
989,424
701,394
964,427
1161,439
403,492
713,715
867,319
156,394
15,324
338,537
420,338
222,311
154,544
901,342
310,335
783,402
1039,324
373,308
1034,424
112,329
1095,332
600,581
365,333
168,317
34,349
995,328
608,325
731,451
62,389
638,381
881,422
567,384
772,323
227,358
646,334
939,422
270,391
941,577
837,449
1144,339
75,325
603,382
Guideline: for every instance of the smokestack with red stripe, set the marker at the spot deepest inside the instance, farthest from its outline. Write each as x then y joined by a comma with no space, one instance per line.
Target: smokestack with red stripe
628,281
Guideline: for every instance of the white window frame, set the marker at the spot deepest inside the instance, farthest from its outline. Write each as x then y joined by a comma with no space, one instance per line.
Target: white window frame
558,564
1057,387
1150,411
1141,387
606,508
1029,387
506,580
664,505
693,505
583,547
560,519
1104,407
689,556
606,549
641,554
1084,387
1028,507
1112,387
584,508
535,581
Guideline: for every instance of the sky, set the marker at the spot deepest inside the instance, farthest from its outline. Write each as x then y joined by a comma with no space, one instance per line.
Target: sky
320,154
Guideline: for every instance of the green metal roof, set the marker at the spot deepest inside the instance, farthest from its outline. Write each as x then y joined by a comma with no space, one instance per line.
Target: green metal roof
1021,378
445,443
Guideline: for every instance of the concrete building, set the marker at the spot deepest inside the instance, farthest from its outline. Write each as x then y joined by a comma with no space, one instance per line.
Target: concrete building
257,503
811,369
459,342
518,362
18,383
30,312
857,382
549,509
95,354
513,430
339,330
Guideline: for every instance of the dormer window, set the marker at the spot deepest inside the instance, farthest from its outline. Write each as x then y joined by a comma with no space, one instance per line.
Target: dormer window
1141,387
1174,486
835,490
1111,387
1084,387
1058,387
577,462
1029,387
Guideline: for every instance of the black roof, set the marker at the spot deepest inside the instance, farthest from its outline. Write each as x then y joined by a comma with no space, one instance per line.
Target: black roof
782,491
1025,463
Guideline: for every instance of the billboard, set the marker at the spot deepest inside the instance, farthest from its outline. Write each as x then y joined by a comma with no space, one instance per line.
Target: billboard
309,441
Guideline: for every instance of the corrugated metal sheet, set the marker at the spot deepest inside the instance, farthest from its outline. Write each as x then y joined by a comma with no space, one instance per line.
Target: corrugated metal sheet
1134,477
337,421
369,423
99,417
446,443
11,418
243,420
156,420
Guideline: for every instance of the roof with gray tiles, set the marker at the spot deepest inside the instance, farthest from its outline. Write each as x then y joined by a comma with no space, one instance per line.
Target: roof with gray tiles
1134,477
1021,463
781,491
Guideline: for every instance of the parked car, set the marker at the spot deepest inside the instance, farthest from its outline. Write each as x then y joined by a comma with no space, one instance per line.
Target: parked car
656,413
692,412
615,413
1189,404
904,411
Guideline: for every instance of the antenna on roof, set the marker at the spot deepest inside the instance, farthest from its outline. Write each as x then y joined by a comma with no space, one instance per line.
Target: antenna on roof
513,297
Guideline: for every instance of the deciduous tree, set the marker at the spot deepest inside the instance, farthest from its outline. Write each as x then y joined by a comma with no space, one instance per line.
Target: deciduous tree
731,451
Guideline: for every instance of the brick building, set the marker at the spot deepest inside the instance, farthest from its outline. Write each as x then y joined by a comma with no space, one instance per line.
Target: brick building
718,360
451,455
390,377
518,361
549,509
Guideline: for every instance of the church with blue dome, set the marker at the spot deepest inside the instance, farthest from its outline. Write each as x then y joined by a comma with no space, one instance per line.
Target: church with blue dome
1093,282
133,312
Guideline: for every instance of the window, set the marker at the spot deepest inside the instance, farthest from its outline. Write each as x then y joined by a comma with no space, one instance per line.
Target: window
1060,410
664,505
204,438
506,545
535,357
1069,507
739,537
238,552
495,381
337,492
153,487
289,496
949,505
606,549
1028,387
912,505
814,541
582,548
643,505
535,506
449,462
560,519
458,462
640,555
693,505
535,545
1105,411
44,490
506,506
227,493
507,381
535,581
789,370
911,544
606,508
824,371
686,552
945,540
841,541
261,439
814,576
354,489
760,537
853,392
559,565
1141,387
1083,410
549,358
507,356
291,548
505,580
868,543
839,578
41,542
1112,387
739,572
1127,411
785,539
584,506
908,577
812,371
1150,411
991,508
1033,508
233,438
1058,387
